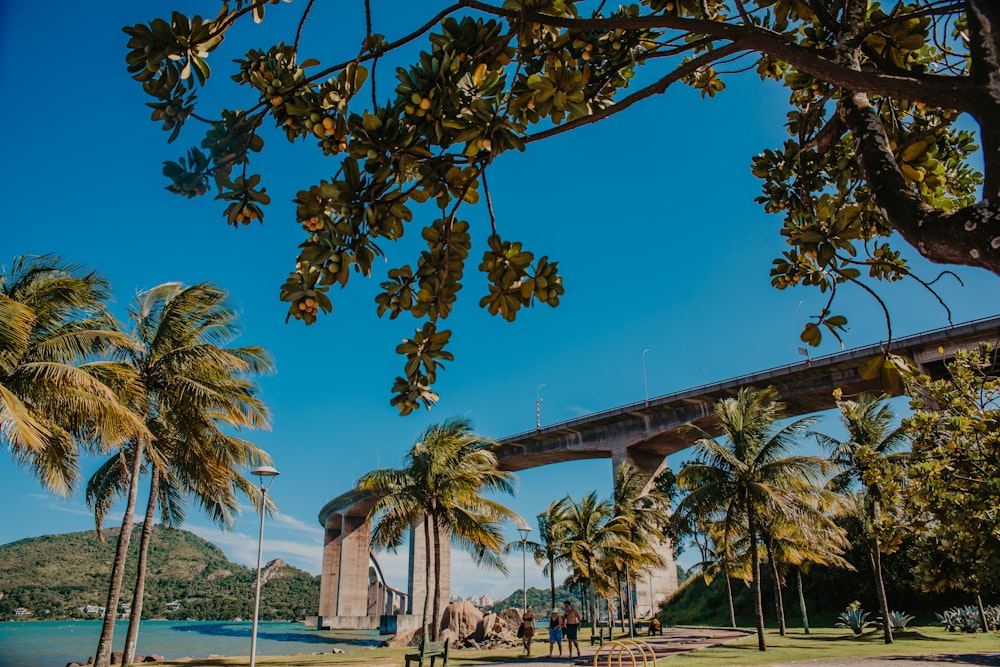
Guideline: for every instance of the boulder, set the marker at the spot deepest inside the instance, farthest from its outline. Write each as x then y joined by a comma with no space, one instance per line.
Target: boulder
74,664
510,619
152,657
463,619
405,638
449,635
116,657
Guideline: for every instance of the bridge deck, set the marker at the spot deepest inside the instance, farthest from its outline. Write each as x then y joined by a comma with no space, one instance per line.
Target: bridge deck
646,432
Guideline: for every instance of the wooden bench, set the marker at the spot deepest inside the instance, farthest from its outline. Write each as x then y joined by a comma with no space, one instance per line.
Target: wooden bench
600,636
429,650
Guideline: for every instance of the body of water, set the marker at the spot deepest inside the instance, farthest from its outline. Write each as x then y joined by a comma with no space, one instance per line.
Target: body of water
54,643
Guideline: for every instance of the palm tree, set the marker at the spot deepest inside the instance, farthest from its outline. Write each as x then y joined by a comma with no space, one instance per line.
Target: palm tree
192,385
645,511
871,459
589,533
446,471
748,475
546,549
807,535
56,391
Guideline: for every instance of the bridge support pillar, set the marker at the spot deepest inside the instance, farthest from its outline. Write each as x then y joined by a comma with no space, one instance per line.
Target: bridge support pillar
422,555
344,583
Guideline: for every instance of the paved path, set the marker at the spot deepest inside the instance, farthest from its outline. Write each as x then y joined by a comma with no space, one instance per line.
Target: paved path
680,640
673,640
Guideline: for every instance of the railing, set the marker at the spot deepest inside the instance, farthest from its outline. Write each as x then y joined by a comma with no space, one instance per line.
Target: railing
633,647
743,379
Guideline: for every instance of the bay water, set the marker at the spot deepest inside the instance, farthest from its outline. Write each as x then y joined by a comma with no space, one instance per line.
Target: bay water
55,643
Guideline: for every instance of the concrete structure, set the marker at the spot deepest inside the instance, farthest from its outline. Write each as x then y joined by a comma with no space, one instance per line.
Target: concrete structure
354,594
643,434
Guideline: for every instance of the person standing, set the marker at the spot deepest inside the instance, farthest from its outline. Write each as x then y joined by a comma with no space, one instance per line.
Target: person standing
571,621
555,631
527,629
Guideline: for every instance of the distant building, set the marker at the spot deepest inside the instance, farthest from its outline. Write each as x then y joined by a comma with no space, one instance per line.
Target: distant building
93,610
485,601
21,611
173,606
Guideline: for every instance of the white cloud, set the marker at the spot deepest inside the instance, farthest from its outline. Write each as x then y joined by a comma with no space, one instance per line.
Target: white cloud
242,548
290,522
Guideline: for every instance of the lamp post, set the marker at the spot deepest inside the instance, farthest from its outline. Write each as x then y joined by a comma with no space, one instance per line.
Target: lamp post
645,387
524,529
270,473
538,411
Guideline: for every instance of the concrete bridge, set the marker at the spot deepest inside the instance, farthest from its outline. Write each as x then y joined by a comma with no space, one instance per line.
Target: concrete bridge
644,434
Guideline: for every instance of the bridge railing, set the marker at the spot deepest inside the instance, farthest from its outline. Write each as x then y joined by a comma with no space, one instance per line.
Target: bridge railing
866,350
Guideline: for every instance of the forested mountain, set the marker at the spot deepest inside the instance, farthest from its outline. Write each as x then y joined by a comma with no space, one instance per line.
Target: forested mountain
56,576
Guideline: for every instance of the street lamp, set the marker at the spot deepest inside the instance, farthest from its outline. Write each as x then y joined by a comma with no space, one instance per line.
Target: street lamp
524,529
270,473
538,411
645,387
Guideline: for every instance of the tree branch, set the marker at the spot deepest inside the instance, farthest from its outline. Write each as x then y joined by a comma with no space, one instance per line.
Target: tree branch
950,92
659,87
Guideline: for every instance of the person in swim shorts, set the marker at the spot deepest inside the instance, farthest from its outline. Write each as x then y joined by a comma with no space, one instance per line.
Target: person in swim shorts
571,622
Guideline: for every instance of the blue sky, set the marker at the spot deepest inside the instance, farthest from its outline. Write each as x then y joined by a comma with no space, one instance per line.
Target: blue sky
650,214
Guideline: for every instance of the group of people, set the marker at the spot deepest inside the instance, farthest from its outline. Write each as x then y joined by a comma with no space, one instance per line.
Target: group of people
567,623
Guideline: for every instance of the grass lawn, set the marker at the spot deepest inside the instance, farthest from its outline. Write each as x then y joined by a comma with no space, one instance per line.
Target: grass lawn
794,647
834,643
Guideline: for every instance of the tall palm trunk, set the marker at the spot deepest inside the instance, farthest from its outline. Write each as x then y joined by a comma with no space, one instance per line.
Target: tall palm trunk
103,656
437,579
875,556
758,602
552,580
779,602
802,601
593,606
132,636
428,574
982,612
729,594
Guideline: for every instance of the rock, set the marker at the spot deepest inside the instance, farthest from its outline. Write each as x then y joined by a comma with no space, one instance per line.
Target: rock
450,636
403,638
510,620
463,619
152,657
74,664
337,650
272,570
116,657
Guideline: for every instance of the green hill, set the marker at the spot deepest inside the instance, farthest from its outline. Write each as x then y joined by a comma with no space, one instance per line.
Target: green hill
55,576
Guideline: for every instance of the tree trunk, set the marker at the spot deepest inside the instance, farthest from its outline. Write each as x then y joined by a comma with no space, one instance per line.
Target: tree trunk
132,636
758,602
982,613
552,580
802,602
593,605
628,601
437,578
875,556
779,603
103,656
729,593
428,574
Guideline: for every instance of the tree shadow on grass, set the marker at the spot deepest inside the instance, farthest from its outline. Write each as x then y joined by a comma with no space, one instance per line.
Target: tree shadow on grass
986,659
